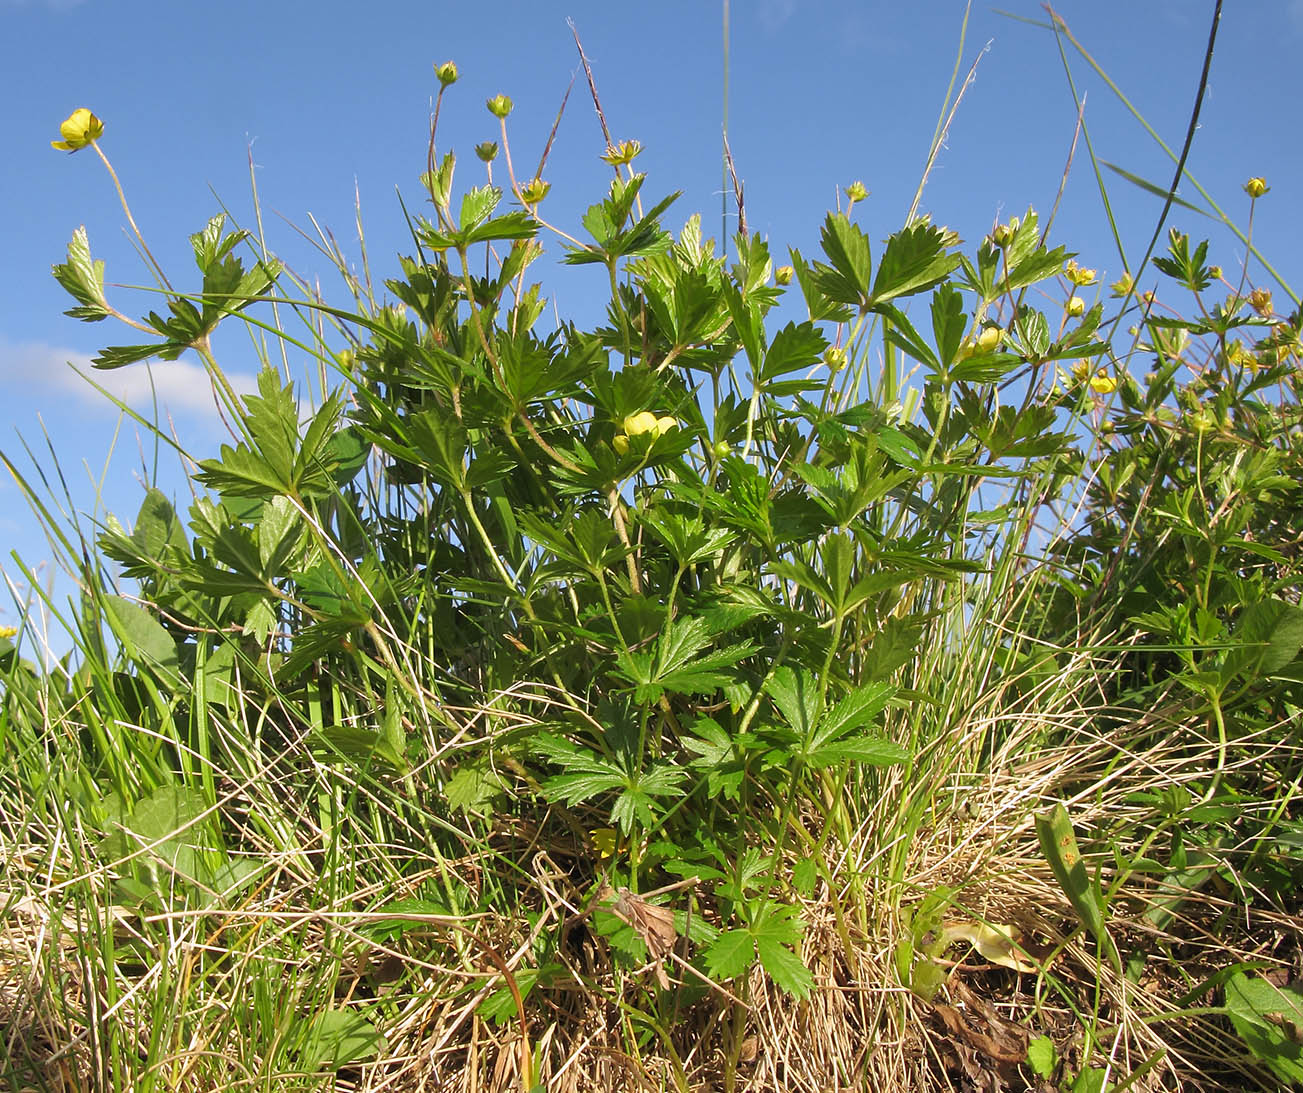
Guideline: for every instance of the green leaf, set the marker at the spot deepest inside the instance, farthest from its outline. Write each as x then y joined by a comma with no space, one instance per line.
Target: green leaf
477,205
337,1038
143,638
796,694
1153,188
1059,844
948,322
83,280
914,260
901,333
1043,1057
793,348
1269,1019
775,929
730,955
832,741
162,837
474,786
847,248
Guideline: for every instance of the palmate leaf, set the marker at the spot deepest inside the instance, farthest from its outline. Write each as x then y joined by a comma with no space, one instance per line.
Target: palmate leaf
771,936
117,356
847,248
83,279
677,666
832,741
915,259
587,773
793,348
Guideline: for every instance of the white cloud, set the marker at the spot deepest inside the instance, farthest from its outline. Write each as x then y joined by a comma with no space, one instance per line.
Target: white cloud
53,5
774,13
37,370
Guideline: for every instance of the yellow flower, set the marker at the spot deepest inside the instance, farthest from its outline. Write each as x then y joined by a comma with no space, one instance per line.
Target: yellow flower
1077,275
606,840
8,631
989,338
665,424
1256,187
1260,301
1123,285
534,191
619,154
80,129
1102,383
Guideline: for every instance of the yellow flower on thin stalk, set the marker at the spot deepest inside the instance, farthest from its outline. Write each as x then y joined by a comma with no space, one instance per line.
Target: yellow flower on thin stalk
80,130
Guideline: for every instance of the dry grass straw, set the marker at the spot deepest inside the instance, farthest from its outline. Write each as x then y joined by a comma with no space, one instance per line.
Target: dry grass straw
1001,762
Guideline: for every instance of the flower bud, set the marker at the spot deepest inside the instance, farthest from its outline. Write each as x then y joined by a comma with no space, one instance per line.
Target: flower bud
784,274
1002,234
835,358
989,339
1076,306
1080,371
534,191
1215,272
446,72
1260,301
617,155
856,192
620,444
499,106
1123,285
80,129
488,151
1256,187
721,449
642,422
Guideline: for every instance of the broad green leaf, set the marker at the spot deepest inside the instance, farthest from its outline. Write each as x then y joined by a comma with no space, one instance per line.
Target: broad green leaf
143,638
1059,844
337,1038
1269,1019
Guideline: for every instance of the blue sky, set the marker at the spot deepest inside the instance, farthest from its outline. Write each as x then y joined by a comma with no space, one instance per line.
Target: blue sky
334,96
